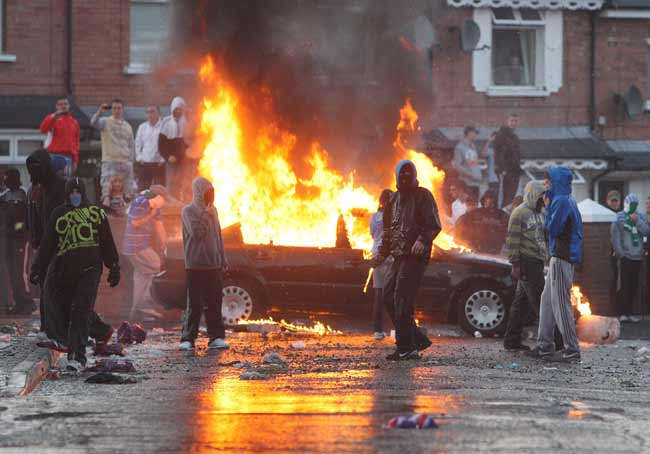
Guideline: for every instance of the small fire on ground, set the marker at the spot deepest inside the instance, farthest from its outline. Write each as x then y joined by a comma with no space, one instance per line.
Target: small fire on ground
579,300
317,328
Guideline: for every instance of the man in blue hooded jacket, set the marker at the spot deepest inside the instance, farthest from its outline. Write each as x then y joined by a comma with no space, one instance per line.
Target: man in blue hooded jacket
410,223
564,227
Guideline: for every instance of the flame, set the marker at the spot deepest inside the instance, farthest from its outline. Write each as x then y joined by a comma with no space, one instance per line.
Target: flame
317,328
581,301
257,186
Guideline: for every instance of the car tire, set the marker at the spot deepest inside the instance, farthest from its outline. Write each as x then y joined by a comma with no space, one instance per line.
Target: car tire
481,308
242,300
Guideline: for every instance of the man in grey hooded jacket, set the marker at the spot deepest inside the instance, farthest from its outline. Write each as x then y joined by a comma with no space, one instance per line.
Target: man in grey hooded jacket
205,263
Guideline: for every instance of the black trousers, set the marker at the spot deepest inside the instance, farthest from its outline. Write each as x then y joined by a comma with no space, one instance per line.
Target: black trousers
378,310
204,289
510,186
525,305
399,300
15,254
148,173
73,300
629,274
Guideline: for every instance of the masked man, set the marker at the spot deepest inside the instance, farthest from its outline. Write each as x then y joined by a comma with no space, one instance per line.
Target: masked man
411,224
76,241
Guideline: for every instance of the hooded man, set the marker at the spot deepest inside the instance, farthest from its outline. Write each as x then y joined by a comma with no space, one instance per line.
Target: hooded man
172,144
76,241
564,227
627,241
205,264
507,157
410,224
13,204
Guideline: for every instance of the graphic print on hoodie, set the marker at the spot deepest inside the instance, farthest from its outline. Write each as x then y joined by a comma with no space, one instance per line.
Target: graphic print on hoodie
202,241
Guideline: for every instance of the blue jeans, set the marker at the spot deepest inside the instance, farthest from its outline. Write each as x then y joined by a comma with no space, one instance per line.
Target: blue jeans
67,170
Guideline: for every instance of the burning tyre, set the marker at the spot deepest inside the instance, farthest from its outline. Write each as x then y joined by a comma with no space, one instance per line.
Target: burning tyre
481,308
241,301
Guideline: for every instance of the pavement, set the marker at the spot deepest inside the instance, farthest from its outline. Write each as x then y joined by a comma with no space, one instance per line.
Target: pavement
334,393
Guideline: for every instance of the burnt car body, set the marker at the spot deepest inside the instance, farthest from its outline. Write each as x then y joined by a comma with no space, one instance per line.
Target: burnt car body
471,290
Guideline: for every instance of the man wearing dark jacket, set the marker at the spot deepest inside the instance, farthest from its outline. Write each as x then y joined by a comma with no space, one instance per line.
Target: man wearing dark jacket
411,224
75,243
564,227
507,155
483,229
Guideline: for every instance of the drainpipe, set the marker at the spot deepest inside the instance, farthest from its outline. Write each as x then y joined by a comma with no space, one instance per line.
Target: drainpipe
592,68
69,47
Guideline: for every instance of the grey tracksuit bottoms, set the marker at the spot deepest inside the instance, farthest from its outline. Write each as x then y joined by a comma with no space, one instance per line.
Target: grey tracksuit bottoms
555,307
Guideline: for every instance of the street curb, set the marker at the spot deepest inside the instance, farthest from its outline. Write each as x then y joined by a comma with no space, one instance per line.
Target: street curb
28,374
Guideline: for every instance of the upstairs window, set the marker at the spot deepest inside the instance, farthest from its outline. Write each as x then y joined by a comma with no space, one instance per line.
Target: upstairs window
149,31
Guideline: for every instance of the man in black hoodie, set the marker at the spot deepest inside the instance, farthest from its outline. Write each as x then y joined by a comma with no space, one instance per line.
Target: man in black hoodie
411,223
47,193
507,155
75,243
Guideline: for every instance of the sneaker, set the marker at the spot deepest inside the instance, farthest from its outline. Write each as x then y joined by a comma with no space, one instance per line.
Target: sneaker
537,353
41,336
623,318
186,345
635,318
423,344
516,347
379,335
405,356
73,366
218,343
565,356
52,345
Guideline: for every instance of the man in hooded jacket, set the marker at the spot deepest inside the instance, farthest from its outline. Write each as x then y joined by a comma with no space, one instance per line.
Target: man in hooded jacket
564,228
75,243
411,223
172,144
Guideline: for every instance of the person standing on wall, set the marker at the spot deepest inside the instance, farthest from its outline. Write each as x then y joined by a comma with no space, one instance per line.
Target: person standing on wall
149,165
507,154
62,135
172,145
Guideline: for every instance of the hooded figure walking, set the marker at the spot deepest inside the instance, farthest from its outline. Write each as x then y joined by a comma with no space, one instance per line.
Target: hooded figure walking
205,264
410,224
564,227
76,241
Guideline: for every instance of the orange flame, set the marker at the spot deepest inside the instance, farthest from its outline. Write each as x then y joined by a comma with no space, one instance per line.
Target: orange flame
580,301
259,188
317,328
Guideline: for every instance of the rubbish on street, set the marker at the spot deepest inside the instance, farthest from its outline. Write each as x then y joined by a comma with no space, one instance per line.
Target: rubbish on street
8,329
5,338
550,368
109,350
274,358
242,365
157,331
4,345
596,329
130,333
107,378
112,365
642,350
298,345
53,374
416,421
252,375
643,359
477,334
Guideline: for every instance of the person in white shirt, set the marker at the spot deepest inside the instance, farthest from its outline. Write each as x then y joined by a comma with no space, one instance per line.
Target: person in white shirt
149,164
459,205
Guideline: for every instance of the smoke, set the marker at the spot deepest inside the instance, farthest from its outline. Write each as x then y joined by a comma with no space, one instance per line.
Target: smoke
334,71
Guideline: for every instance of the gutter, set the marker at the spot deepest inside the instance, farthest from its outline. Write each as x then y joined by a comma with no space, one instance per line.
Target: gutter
68,18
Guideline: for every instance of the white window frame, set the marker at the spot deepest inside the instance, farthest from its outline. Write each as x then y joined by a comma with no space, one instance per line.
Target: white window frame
14,136
4,57
135,68
549,45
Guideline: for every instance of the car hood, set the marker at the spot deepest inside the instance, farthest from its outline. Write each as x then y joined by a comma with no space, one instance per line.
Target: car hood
472,257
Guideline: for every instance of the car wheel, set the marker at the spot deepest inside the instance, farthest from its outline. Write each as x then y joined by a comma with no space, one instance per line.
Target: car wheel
481,308
241,301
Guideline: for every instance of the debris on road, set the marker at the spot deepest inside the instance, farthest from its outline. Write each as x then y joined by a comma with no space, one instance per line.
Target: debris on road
112,365
131,333
298,345
274,358
109,350
642,350
596,329
5,338
107,378
53,374
416,421
253,375
7,329
477,334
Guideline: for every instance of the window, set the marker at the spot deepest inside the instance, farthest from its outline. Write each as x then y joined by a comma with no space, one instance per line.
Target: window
16,145
5,147
520,52
149,31
4,57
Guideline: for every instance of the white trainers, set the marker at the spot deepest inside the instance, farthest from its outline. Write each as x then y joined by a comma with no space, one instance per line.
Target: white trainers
73,366
635,318
186,345
218,343
41,336
379,335
623,318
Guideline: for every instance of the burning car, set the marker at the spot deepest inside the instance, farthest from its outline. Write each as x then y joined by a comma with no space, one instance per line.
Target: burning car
471,290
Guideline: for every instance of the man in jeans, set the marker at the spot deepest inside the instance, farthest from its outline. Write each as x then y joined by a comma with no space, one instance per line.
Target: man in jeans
411,224
118,146
564,227
150,166
143,226
62,135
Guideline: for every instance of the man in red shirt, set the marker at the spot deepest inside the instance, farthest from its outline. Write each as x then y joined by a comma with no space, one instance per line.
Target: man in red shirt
62,134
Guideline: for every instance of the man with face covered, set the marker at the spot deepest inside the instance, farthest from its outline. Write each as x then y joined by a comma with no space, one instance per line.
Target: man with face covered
410,224
76,242
205,264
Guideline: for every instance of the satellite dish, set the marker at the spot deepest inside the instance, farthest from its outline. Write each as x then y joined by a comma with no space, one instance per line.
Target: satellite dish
470,35
633,102
425,34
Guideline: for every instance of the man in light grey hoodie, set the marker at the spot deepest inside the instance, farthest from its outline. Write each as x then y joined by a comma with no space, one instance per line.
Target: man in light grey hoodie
205,263
627,241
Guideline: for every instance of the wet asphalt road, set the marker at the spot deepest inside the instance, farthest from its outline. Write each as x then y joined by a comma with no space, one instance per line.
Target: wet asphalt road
335,394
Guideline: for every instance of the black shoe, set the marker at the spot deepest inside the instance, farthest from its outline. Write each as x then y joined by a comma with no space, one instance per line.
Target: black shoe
423,344
516,346
403,356
565,356
538,353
